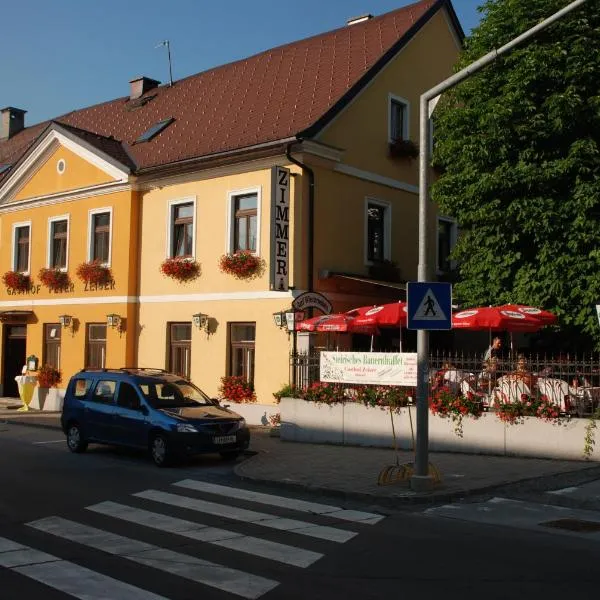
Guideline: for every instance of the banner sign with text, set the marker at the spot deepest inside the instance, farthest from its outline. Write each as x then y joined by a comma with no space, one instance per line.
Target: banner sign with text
280,229
375,368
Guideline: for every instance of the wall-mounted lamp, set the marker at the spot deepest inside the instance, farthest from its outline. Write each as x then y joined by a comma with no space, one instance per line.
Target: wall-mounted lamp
200,321
65,320
113,320
287,319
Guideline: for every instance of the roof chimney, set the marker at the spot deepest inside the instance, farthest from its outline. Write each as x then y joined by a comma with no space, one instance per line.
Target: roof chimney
12,121
141,85
359,19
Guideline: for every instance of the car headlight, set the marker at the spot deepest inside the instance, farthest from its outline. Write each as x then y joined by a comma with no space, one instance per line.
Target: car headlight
186,428
241,423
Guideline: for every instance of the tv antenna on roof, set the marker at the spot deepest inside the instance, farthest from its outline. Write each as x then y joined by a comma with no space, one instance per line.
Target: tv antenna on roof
166,43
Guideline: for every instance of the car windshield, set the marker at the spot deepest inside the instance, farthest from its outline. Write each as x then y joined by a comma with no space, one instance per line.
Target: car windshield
171,394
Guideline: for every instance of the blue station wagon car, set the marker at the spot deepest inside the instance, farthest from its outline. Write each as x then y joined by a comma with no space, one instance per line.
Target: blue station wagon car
149,409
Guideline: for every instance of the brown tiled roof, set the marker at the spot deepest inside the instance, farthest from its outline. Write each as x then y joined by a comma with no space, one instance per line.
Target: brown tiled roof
267,97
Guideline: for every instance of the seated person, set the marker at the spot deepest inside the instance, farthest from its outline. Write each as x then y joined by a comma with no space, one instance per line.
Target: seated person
580,380
488,377
523,373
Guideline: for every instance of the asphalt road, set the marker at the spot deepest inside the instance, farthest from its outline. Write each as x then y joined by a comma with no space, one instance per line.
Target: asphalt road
109,525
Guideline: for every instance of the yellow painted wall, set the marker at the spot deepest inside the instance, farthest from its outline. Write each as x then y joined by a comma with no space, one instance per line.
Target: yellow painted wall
209,352
47,180
362,128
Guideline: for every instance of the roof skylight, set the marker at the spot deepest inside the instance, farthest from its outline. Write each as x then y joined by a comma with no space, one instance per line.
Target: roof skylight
154,130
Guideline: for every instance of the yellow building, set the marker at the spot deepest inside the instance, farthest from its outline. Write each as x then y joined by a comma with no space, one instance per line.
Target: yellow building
299,156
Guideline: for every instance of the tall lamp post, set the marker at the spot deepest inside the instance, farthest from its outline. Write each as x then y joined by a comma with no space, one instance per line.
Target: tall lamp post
421,479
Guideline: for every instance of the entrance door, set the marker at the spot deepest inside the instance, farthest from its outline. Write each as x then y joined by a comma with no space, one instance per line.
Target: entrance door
15,338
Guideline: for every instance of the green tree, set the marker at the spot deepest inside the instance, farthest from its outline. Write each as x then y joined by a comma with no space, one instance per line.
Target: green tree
518,147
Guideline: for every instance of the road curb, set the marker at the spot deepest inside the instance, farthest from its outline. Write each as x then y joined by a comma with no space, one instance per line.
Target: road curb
558,479
24,422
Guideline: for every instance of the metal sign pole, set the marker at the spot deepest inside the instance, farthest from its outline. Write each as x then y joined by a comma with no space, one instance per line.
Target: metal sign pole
421,480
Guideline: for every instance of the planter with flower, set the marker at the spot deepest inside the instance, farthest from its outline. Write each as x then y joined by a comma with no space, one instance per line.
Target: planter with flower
180,268
513,413
94,272
46,395
54,279
16,282
237,389
49,377
242,265
450,405
403,149
275,422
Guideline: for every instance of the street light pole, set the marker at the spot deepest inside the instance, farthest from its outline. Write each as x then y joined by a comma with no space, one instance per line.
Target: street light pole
421,479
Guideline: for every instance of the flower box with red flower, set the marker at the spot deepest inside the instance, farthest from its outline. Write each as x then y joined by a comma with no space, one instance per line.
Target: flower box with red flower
16,281
237,389
94,272
54,279
403,149
242,265
180,268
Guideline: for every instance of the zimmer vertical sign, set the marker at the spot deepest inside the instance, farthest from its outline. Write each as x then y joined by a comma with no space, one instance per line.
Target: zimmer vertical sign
280,228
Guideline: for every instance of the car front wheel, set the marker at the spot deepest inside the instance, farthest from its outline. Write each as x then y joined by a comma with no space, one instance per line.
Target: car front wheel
159,450
75,440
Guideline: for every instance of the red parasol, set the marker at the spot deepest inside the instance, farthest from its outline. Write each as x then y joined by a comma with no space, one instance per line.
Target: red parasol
382,315
540,314
496,317
337,322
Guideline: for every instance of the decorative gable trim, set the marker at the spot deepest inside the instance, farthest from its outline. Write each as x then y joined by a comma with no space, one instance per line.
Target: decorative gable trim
56,135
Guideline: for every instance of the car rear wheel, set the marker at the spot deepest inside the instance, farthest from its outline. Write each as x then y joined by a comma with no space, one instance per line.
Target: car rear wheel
75,440
159,450
230,454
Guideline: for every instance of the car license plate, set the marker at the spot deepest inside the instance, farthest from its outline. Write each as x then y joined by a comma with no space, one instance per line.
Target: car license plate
224,439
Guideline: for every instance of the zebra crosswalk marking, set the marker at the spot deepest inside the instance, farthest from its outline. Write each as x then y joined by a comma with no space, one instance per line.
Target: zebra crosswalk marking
67,577
249,516
355,516
212,535
218,576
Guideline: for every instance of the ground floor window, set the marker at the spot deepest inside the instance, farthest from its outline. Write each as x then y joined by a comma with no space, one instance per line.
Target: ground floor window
95,354
242,338
180,348
51,355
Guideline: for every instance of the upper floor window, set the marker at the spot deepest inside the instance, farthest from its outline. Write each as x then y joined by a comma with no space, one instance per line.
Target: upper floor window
246,221
182,237
59,234
100,235
398,119
377,231
181,228
21,247
446,240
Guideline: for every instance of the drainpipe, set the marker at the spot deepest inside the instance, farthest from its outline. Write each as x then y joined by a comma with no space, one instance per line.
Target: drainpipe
311,209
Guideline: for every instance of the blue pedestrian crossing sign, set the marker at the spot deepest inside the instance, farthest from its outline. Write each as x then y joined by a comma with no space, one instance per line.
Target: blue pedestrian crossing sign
429,305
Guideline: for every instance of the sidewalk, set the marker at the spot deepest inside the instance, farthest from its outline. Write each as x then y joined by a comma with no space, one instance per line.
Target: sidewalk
351,472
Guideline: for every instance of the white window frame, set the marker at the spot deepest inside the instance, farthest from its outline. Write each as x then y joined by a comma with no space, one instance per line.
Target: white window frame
52,220
453,238
90,240
387,229
170,205
406,120
14,246
231,195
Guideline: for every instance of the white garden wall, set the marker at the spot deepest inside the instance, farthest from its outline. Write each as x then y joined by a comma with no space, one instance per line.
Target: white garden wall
357,425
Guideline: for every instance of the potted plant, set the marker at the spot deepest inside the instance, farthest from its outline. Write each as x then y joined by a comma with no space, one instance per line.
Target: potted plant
48,377
180,269
94,272
236,388
403,149
54,279
15,281
243,264
275,421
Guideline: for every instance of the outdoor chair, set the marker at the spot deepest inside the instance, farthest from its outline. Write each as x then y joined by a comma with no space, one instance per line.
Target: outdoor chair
510,390
558,392
467,387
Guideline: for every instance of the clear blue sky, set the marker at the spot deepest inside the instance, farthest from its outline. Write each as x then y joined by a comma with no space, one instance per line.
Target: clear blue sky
61,55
